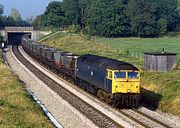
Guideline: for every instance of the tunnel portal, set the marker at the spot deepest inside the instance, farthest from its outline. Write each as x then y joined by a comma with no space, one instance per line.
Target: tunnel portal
15,38
14,34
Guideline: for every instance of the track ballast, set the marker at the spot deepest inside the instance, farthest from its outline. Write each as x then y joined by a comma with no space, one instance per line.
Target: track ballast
97,117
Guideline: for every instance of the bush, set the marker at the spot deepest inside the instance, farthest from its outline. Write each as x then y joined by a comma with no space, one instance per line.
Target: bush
74,29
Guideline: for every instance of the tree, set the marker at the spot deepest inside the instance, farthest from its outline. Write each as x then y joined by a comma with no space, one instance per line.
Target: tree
1,12
9,21
167,9
37,22
84,6
114,18
54,15
13,20
1,9
30,19
1,22
72,12
162,26
1,39
108,18
14,13
142,14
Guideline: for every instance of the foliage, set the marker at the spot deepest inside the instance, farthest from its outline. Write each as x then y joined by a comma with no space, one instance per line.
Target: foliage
30,19
111,19
14,13
1,39
13,20
1,9
115,18
168,10
53,16
37,22
72,11
74,29
1,12
162,25
84,6
142,16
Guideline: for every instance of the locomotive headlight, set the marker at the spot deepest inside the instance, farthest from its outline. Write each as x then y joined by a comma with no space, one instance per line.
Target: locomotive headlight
129,90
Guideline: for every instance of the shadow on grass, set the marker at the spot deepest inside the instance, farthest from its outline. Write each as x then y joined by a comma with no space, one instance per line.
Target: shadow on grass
150,99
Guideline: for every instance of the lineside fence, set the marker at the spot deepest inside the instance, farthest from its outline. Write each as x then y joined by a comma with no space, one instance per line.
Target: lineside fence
127,52
130,53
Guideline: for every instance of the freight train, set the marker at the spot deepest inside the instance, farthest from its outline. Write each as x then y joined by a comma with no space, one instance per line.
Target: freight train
115,82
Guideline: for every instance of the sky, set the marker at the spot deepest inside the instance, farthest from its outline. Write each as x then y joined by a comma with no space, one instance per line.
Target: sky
26,8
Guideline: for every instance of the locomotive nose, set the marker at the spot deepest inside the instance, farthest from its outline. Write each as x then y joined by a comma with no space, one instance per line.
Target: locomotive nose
127,87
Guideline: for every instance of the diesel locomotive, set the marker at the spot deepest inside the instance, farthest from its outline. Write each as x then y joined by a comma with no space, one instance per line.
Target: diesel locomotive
115,82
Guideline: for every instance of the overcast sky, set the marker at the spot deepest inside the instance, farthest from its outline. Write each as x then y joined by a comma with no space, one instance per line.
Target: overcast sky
26,7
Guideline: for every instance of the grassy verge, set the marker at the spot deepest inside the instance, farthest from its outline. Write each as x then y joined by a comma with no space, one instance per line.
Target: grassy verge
17,109
162,89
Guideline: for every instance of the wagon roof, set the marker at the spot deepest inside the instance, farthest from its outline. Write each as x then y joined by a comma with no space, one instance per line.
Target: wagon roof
160,53
106,63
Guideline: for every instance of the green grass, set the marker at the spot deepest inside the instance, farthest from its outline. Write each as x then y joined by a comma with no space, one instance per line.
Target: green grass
140,45
17,109
158,86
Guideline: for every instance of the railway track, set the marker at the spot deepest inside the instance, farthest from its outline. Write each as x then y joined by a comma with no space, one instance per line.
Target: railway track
96,116
143,119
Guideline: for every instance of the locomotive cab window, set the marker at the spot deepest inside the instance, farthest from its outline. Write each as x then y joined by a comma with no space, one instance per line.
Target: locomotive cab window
133,75
119,75
110,74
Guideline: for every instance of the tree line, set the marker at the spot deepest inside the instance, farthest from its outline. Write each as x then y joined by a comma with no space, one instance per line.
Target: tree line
14,18
110,18
113,18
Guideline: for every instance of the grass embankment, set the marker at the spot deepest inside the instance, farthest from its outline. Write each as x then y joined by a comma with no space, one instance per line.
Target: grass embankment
162,89
17,109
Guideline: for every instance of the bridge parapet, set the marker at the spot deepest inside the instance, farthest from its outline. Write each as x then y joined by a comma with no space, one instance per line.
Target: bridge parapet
14,34
18,29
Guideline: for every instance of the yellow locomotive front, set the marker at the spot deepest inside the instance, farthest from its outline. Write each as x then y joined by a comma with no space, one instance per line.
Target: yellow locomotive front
125,86
124,81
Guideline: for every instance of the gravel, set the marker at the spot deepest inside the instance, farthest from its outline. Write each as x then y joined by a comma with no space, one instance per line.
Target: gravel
168,119
59,108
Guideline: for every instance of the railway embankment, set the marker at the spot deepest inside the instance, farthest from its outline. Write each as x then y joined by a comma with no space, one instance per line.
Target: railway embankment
160,91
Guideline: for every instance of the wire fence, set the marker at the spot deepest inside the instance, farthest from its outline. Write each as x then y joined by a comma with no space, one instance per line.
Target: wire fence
138,55
128,52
